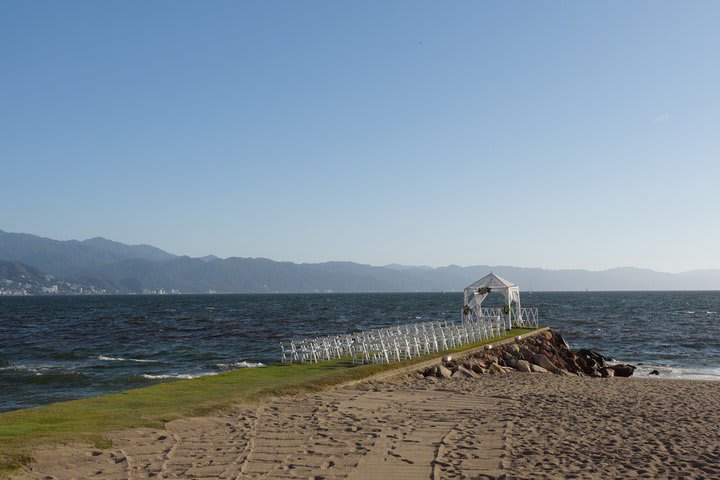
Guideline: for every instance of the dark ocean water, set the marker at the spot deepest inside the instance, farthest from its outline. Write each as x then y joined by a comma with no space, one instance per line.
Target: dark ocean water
60,348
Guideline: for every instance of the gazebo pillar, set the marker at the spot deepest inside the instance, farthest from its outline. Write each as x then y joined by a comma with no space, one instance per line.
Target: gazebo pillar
508,318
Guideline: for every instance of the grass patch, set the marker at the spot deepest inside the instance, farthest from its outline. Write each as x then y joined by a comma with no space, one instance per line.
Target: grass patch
11,463
89,420
102,443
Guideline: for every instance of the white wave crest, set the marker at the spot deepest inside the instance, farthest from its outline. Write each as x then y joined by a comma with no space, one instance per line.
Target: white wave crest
120,359
688,373
179,376
25,368
240,364
16,368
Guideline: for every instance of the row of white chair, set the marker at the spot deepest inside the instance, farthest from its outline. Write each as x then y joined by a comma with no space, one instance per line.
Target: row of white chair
397,343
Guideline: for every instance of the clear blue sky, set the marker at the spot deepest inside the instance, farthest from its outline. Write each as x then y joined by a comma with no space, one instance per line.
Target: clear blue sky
553,134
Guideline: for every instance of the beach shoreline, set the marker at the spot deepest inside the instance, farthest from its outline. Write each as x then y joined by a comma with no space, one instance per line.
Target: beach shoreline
405,423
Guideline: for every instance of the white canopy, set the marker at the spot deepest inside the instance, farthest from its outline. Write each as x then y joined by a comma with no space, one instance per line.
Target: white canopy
510,291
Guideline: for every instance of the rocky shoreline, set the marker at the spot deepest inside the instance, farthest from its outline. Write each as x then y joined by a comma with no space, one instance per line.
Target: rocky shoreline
546,352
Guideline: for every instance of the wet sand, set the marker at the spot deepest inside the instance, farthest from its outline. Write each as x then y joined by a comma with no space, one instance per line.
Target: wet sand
524,426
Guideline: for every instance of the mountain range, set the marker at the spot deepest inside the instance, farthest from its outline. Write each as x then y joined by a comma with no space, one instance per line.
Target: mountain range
101,265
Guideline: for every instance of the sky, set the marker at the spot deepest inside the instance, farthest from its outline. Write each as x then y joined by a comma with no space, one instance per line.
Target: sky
541,134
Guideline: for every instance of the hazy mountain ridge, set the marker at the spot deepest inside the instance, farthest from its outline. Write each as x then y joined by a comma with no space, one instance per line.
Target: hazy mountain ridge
19,279
113,267
71,257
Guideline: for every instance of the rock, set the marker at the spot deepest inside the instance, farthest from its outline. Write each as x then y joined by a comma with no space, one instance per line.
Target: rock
488,347
431,379
496,369
607,372
548,335
542,361
493,359
464,372
515,349
596,357
523,366
537,368
559,340
478,369
512,362
526,353
446,358
623,370
654,372
443,372
590,362
564,358
518,338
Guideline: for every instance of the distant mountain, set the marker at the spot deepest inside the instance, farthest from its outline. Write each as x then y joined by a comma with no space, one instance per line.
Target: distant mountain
101,265
17,272
72,257
395,266
19,279
146,252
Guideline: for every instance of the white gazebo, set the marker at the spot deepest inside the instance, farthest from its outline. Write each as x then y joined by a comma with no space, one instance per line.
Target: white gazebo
478,291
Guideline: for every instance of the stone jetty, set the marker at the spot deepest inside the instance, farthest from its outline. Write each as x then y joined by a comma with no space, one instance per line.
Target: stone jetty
546,352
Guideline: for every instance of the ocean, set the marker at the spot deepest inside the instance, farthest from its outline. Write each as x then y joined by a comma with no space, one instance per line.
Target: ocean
61,348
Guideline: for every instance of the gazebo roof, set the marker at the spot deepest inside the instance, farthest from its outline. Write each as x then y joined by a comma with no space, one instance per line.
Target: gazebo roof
492,281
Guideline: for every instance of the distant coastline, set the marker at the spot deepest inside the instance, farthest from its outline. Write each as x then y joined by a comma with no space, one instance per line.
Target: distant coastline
33,265
5,294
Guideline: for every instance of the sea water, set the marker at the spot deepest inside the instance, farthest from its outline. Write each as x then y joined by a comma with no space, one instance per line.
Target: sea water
61,348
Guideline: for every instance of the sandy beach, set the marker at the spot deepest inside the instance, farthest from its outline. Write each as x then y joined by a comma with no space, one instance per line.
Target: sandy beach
520,425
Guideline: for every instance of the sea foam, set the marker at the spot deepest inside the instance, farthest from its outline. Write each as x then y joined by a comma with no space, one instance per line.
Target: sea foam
240,364
120,359
179,376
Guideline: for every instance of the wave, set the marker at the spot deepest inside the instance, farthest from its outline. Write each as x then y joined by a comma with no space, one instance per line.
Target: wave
36,369
42,376
178,376
120,359
16,368
701,373
664,370
689,373
66,356
240,364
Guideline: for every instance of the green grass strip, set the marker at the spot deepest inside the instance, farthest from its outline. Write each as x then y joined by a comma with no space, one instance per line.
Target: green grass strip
88,420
